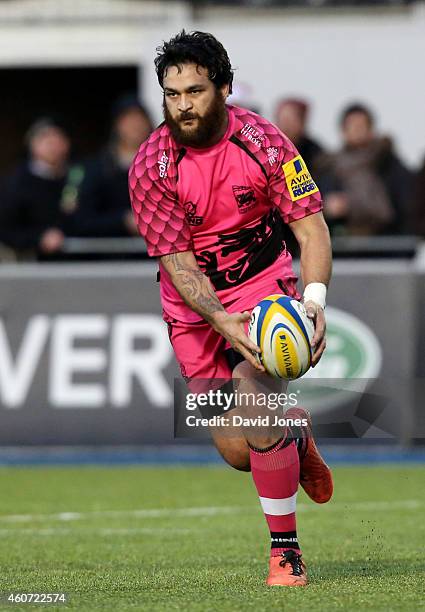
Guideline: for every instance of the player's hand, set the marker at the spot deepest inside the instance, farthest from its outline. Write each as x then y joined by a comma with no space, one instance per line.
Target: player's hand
231,327
318,344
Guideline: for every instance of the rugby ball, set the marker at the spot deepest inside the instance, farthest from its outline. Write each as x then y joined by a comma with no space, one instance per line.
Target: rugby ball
280,327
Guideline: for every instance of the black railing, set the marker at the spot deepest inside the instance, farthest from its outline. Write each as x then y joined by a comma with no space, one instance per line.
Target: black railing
103,249
347,247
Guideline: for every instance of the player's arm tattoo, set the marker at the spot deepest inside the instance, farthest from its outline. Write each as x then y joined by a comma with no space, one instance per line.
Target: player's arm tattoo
193,285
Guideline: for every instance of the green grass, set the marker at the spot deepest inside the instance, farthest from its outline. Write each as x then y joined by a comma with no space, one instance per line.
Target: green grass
364,550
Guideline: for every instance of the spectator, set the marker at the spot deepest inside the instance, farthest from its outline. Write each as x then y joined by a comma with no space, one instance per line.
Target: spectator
291,118
366,187
37,198
104,205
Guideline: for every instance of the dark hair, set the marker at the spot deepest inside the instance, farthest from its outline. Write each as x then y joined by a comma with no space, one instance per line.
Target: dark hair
127,102
301,105
356,108
199,48
45,123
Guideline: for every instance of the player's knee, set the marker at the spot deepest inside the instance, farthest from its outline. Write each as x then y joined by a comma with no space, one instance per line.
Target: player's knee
244,370
238,461
235,452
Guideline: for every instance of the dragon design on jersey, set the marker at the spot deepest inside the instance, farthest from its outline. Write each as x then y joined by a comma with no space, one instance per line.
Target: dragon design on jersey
259,246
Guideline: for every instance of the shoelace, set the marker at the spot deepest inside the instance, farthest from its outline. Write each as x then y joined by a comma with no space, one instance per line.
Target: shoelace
294,559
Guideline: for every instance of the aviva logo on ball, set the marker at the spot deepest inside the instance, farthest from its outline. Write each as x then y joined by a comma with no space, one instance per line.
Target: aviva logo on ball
281,328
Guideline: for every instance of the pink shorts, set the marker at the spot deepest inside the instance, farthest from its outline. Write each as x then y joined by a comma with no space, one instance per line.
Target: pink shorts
201,352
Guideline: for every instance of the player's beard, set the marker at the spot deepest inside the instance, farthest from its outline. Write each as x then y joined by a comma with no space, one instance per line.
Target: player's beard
207,128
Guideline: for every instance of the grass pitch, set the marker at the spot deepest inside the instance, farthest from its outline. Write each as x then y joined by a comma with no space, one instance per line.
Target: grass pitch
195,539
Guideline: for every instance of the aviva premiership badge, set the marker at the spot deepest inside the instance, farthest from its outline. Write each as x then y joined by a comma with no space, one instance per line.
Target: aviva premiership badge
298,179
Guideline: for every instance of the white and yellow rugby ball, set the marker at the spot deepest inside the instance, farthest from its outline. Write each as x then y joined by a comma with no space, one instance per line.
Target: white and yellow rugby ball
280,327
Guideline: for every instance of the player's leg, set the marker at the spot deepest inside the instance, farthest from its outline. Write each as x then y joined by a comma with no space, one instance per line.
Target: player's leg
204,363
275,470
200,352
315,474
233,448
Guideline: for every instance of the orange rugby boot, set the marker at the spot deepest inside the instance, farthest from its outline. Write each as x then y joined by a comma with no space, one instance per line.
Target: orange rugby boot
315,475
287,569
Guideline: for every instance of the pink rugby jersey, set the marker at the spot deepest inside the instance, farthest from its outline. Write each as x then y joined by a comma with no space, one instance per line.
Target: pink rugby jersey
226,203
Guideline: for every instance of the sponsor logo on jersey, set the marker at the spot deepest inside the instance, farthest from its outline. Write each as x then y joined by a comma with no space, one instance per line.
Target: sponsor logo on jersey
190,213
272,155
163,165
252,134
245,198
298,179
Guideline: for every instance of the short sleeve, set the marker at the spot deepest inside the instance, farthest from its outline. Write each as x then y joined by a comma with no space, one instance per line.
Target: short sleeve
159,216
291,187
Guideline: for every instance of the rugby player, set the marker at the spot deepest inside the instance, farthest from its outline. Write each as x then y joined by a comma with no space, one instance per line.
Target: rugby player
211,190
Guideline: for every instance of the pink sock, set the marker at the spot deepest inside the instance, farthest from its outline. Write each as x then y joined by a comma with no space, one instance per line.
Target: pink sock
276,473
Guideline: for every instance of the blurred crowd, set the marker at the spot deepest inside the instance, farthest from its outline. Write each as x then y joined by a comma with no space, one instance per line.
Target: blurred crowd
50,197
367,189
